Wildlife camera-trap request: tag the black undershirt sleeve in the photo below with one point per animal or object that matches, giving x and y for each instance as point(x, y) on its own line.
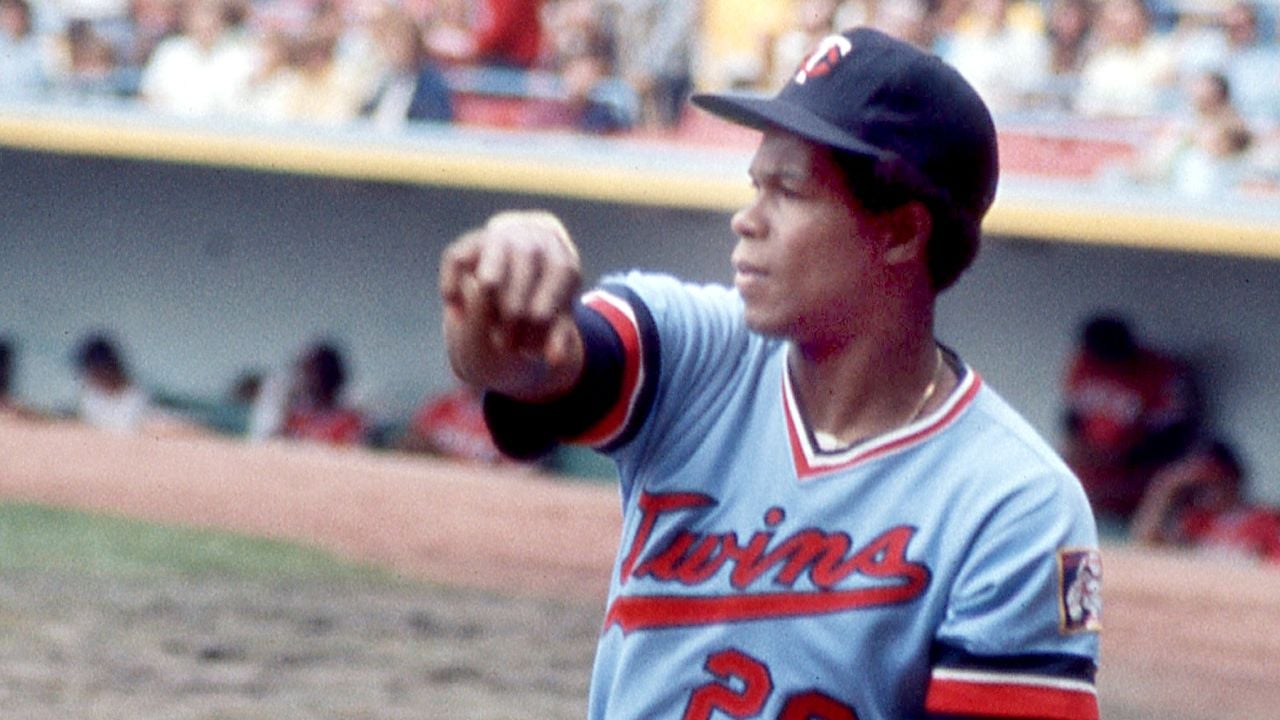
point(528, 431)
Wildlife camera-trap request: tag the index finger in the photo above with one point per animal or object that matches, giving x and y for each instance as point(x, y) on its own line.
point(458, 260)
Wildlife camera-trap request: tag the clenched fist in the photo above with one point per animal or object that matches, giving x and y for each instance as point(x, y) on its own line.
point(508, 290)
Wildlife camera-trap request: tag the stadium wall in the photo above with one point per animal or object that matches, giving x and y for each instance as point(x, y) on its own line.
point(205, 271)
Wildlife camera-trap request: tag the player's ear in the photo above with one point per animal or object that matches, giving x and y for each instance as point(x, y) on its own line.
point(908, 228)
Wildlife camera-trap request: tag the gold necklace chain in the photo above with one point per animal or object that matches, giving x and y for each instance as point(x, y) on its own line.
point(827, 441)
point(929, 389)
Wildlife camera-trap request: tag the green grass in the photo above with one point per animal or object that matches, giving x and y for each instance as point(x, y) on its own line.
point(35, 537)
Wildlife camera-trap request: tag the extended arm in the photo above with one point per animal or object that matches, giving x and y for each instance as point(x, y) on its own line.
point(508, 290)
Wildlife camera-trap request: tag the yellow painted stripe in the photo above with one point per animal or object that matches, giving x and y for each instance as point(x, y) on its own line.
point(1136, 228)
point(423, 164)
point(569, 175)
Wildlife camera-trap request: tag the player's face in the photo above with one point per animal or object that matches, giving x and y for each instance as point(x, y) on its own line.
point(805, 253)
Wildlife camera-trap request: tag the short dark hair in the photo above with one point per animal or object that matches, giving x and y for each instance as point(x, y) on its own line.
point(99, 352)
point(1224, 454)
point(329, 368)
point(1220, 82)
point(22, 5)
point(6, 364)
point(1109, 338)
point(882, 185)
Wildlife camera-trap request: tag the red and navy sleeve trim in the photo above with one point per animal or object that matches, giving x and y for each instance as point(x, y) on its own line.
point(634, 364)
point(612, 396)
point(1045, 687)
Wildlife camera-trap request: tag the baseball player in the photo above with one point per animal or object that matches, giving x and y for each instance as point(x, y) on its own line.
point(827, 514)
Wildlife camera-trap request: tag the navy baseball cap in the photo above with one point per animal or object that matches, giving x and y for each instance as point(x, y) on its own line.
point(867, 93)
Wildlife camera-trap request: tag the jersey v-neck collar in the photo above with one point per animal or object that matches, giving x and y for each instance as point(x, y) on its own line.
point(812, 461)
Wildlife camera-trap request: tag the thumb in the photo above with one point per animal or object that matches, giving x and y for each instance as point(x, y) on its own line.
point(561, 340)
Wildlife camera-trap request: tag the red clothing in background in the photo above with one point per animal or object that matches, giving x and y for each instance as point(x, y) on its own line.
point(1124, 423)
point(1248, 531)
point(336, 426)
point(452, 425)
point(509, 32)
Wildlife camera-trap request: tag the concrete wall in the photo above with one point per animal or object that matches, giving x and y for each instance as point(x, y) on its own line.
point(204, 272)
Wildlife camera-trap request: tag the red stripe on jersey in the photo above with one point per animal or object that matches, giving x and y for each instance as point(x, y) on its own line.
point(794, 434)
point(619, 316)
point(648, 612)
point(1010, 696)
point(810, 463)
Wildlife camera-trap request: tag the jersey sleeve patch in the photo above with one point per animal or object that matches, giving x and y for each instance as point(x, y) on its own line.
point(1049, 687)
point(1080, 590)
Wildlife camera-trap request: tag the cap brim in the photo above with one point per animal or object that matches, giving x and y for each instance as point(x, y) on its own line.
point(764, 113)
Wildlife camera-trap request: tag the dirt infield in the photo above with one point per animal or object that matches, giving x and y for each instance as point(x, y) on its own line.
point(455, 524)
point(1184, 638)
point(507, 573)
point(139, 648)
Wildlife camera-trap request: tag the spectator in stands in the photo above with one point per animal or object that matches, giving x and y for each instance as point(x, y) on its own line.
point(733, 41)
point(151, 21)
point(109, 397)
point(241, 400)
point(1205, 154)
point(1252, 65)
point(914, 21)
point(264, 397)
point(316, 88)
point(7, 352)
point(87, 69)
point(353, 25)
point(1198, 502)
point(316, 410)
point(812, 21)
point(1005, 61)
point(655, 57)
point(97, 12)
point(1068, 28)
point(1129, 410)
point(501, 33)
point(411, 89)
point(1132, 71)
point(597, 101)
point(315, 64)
point(205, 70)
point(267, 91)
point(109, 19)
point(22, 53)
point(1250, 61)
point(451, 425)
point(948, 15)
point(577, 27)
point(10, 406)
point(582, 50)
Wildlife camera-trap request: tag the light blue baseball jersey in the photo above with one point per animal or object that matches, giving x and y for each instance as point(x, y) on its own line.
point(947, 568)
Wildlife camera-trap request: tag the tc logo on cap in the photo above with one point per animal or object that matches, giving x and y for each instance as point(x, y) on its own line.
point(830, 51)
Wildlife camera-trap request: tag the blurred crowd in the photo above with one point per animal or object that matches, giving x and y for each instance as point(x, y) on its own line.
point(308, 400)
point(1201, 76)
point(1136, 429)
point(1138, 432)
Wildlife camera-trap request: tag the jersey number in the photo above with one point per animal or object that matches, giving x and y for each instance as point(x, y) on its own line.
point(743, 685)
